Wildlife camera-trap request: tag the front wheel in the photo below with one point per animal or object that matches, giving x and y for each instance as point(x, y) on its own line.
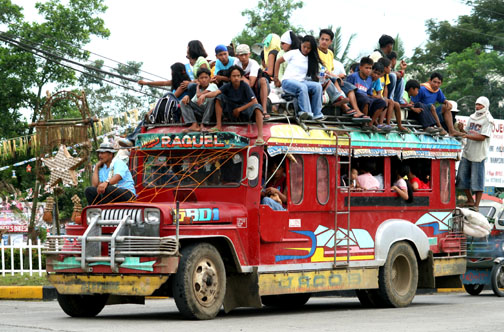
point(474, 289)
point(497, 279)
point(200, 283)
point(82, 305)
point(398, 278)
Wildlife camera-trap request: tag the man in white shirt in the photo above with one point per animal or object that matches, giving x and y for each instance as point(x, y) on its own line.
point(251, 68)
point(471, 170)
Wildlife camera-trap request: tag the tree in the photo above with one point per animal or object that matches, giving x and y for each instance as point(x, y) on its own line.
point(64, 32)
point(472, 73)
point(485, 26)
point(270, 16)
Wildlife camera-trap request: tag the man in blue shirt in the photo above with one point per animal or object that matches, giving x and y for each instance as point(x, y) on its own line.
point(363, 82)
point(429, 94)
point(222, 64)
point(111, 181)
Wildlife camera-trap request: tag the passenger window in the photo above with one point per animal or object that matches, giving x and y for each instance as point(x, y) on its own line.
point(322, 180)
point(445, 181)
point(296, 179)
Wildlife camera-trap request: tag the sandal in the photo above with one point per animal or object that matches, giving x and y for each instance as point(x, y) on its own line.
point(213, 130)
point(266, 115)
point(405, 130)
point(259, 142)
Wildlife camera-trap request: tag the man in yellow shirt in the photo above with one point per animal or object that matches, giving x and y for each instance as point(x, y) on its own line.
point(335, 92)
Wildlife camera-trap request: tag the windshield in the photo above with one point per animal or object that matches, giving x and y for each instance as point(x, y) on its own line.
point(190, 169)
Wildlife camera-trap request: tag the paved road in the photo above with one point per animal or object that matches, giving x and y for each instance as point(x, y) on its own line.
point(438, 312)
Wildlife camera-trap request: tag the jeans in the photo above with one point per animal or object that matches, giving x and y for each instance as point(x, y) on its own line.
point(192, 111)
point(111, 194)
point(396, 88)
point(333, 93)
point(309, 95)
point(471, 175)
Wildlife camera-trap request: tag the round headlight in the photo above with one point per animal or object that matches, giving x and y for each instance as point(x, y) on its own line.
point(93, 215)
point(151, 216)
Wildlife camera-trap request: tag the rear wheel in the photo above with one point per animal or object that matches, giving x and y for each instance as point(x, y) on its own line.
point(474, 289)
point(286, 300)
point(398, 278)
point(497, 279)
point(82, 305)
point(200, 283)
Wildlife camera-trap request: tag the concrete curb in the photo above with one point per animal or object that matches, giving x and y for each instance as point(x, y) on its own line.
point(48, 293)
point(42, 293)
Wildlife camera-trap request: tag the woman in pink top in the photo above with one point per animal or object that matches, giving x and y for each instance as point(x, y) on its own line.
point(366, 180)
point(402, 186)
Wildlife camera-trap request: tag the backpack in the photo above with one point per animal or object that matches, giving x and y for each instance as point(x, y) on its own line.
point(166, 110)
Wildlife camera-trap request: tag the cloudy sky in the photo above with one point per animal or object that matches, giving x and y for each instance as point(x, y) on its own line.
point(156, 32)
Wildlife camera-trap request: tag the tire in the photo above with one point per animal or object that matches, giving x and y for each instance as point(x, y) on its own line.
point(474, 289)
point(497, 279)
point(286, 300)
point(200, 282)
point(82, 305)
point(398, 278)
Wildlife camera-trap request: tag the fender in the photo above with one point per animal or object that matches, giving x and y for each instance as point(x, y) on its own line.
point(395, 230)
point(498, 260)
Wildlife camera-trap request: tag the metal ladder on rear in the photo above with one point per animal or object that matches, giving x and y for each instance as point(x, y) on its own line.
point(93, 238)
point(346, 210)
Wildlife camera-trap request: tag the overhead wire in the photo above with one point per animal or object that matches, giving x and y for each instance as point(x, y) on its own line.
point(47, 36)
point(54, 58)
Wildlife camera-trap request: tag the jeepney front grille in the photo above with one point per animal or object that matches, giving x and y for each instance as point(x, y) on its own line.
point(146, 246)
point(117, 214)
point(125, 245)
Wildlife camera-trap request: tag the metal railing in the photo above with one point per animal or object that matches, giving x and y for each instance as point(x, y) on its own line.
point(17, 254)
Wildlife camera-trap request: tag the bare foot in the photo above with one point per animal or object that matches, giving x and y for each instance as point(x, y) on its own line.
point(194, 127)
point(456, 134)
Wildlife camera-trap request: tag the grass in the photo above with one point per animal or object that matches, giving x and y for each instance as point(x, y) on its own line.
point(24, 280)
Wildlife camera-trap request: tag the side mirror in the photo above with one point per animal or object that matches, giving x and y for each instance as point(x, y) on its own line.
point(253, 169)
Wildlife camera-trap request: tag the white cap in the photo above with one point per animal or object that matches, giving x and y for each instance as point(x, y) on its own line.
point(454, 106)
point(286, 38)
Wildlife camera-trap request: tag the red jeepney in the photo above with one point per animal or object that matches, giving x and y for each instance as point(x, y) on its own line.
point(199, 233)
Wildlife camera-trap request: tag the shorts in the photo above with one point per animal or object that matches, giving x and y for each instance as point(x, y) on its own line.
point(245, 115)
point(374, 103)
point(347, 87)
point(471, 175)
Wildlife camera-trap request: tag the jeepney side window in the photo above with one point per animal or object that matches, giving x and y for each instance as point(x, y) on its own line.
point(444, 176)
point(296, 175)
point(322, 180)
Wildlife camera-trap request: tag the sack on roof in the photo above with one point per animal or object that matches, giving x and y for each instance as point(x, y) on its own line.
point(166, 110)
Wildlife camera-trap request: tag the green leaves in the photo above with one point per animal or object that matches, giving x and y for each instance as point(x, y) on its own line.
point(270, 16)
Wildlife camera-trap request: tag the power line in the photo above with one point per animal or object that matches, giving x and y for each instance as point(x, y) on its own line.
point(53, 58)
point(80, 49)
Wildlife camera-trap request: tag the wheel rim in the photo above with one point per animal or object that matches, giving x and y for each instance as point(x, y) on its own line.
point(205, 282)
point(500, 278)
point(401, 275)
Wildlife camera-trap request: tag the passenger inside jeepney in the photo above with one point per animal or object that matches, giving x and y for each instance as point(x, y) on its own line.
point(274, 193)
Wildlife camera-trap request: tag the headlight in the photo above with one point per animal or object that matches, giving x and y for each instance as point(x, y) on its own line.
point(152, 216)
point(93, 215)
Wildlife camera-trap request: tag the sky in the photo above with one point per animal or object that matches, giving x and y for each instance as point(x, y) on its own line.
point(157, 32)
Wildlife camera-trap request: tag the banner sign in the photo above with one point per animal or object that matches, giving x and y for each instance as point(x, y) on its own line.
point(494, 165)
point(220, 140)
point(15, 228)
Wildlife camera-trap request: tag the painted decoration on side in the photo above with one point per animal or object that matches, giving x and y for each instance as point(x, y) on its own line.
point(359, 241)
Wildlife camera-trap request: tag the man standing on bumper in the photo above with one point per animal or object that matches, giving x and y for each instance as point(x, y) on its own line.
point(471, 171)
point(111, 181)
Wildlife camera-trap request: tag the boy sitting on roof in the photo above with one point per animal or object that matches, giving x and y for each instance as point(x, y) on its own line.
point(429, 94)
point(251, 68)
point(237, 102)
point(222, 65)
point(362, 80)
point(192, 108)
point(425, 114)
